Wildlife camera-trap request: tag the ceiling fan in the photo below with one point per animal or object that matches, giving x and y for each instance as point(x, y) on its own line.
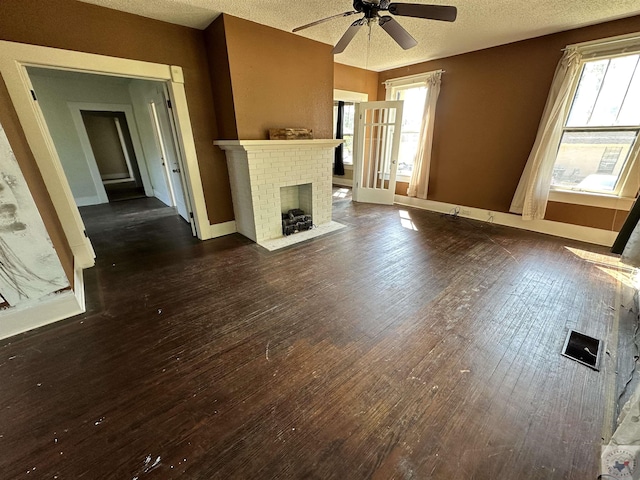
point(372, 9)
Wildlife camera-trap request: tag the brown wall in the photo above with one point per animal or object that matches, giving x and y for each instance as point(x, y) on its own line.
point(72, 25)
point(596, 217)
point(216, 42)
point(278, 79)
point(354, 79)
point(488, 112)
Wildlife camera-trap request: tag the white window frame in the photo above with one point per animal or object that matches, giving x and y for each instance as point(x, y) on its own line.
point(629, 181)
point(345, 162)
point(395, 85)
point(349, 97)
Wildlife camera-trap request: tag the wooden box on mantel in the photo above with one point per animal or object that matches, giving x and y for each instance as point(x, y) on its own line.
point(290, 134)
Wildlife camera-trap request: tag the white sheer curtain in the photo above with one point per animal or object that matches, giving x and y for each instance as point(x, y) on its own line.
point(419, 183)
point(532, 193)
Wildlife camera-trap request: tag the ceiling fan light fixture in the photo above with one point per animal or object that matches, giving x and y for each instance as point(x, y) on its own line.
point(372, 9)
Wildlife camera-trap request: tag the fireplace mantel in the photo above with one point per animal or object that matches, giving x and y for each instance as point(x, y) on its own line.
point(249, 145)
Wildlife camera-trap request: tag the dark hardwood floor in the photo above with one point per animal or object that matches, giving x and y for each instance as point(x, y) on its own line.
point(123, 191)
point(409, 345)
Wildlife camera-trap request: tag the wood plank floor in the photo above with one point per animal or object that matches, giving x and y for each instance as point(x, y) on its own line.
point(409, 345)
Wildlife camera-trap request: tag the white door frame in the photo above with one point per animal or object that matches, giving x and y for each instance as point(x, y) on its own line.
point(160, 144)
point(15, 57)
point(125, 151)
point(176, 146)
point(76, 108)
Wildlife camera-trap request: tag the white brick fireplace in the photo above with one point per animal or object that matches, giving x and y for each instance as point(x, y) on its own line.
point(269, 177)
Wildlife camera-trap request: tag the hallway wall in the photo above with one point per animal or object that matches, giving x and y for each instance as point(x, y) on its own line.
point(141, 93)
point(55, 90)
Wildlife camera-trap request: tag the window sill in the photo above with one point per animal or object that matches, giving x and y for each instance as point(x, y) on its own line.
point(591, 199)
point(347, 166)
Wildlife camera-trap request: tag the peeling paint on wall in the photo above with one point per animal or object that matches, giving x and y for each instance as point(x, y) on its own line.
point(29, 266)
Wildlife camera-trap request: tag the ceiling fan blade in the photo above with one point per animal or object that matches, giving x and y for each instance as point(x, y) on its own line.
point(348, 35)
point(397, 32)
point(418, 10)
point(318, 22)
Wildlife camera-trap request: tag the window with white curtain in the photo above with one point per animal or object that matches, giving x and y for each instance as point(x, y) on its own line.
point(413, 90)
point(414, 97)
point(600, 133)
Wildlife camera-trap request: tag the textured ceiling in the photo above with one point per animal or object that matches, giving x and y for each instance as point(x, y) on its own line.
point(480, 23)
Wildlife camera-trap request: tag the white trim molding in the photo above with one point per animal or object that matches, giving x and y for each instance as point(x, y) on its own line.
point(86, 201)
point(342, 182)
point(85, 144)
point(222, 229)
point(50, 309)
point(78, 287)
point(565, 230)
point(349, 96)
point(418, 78)
point(618, 45)
point(612, 202)
point(339, 179)
point(187, 153)
point(259, 145)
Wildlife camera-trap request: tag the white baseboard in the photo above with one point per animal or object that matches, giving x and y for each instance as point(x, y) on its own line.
point(49, 310)
point(78, 287)
point(86, 201)
point(558, 229)
point(220, 229)
point(342, 182)
point(116, 178)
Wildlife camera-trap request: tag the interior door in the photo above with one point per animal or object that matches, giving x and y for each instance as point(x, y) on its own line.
point(179, 159)
point(170, 162)
point(375, 157)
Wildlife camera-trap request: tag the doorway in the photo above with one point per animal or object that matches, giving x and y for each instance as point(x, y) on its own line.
point(112, 148)
point(166, 146)
point(114, 136)
point(14, 60)
point(345, 123)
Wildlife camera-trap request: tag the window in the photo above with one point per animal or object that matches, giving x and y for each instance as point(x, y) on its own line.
point(601, 131)
point(412, 111)
point(347, 129)
point(413, 91)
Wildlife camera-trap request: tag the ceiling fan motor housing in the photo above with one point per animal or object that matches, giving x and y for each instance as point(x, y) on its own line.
point(369, 8)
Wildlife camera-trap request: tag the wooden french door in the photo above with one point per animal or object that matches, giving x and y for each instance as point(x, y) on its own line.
point(376, 142)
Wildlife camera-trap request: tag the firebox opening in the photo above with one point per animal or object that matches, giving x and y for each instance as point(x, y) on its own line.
point(296, 207)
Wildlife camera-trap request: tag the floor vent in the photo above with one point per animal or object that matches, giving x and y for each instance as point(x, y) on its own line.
point(583, 349)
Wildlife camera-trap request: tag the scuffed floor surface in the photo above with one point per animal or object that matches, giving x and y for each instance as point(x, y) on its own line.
point(408, 345)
